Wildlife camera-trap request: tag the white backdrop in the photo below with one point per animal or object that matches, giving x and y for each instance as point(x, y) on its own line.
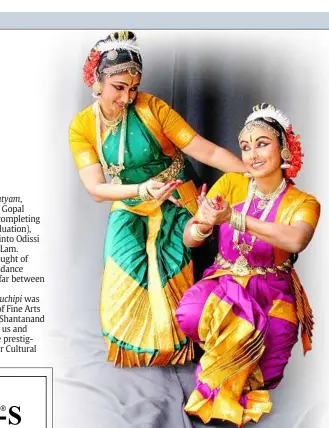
point(42, 89)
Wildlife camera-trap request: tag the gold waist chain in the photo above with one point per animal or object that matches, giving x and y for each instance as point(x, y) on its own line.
point(172, 171)
point(243, 269)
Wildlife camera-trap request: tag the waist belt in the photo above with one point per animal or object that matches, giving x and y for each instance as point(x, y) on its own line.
point(241, 266)
point(169, 173)
point(172, 171)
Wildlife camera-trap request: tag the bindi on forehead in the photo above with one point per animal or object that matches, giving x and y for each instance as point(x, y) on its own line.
point(123, 82)
point(254, 135)
point(260, 126)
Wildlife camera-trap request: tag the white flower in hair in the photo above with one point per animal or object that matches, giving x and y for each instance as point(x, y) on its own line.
point(121, 41)
point(268, 110)
point(108, 45)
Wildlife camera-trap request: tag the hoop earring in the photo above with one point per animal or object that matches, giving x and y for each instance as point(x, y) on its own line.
point(130, 100)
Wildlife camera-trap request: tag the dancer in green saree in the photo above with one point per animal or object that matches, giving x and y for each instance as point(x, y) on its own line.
point(140, 141)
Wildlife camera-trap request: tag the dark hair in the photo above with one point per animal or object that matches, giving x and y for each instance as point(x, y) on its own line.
point(122, 55)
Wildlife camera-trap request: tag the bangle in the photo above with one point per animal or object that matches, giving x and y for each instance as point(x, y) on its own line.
point(238, 221)
point(138, 190)
point(197, 235)
point(143, 192)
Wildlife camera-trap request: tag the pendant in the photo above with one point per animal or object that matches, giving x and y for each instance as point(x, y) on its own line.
point(114, 171)
point(110, 130)
point(262, 204)
point(241, 266)
point(113, 129)
point(116, 180)
point(244, 248)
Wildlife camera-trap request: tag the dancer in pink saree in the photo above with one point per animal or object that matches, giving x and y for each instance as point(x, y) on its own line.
point(246, 310)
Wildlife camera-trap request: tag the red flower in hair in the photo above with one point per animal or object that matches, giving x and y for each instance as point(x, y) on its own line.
point(295, 148)
point(90, 66)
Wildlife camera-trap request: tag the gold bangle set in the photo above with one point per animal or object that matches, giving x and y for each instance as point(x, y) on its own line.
point(143, 192)
point(238, 221)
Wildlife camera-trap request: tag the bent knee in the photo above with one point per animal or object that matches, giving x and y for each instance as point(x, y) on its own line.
point(191, 306)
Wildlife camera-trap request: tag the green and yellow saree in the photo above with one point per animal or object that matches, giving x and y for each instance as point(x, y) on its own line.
point(147, 267)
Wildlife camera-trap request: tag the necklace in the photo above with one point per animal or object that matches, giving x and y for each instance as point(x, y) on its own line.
point(241, 265)
point(265, 198)
point(110, 125)
point(112, 170)
point(256, 208)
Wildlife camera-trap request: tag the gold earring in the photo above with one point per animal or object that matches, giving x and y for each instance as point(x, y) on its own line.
point(286, 156)
point(97, 88)
point(130, 100)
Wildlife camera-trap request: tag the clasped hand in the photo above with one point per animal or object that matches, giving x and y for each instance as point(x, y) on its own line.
point(212, 211)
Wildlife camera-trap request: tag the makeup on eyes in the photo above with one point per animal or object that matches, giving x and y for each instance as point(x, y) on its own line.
point(245, 146)
point(121, 88)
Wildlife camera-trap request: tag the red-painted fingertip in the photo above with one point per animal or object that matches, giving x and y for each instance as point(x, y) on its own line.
point(203, 190)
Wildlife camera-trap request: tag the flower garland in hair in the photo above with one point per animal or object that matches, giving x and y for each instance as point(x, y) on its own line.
point(295, 149)
point(89, 68)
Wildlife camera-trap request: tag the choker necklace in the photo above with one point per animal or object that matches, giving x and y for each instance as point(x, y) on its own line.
point(266, 198)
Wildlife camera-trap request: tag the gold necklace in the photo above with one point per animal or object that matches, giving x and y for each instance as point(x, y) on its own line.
point(112, 170)
point(241, 265)
point(110, 125)
point(265, 198)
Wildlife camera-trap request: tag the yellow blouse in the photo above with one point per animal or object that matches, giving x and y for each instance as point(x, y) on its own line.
point(166, 125)
point(294, 206)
